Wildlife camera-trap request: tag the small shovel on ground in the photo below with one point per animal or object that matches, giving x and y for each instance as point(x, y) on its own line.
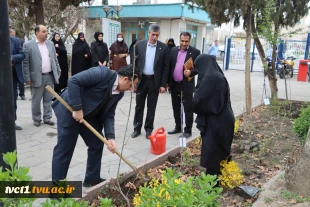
point(49, 89)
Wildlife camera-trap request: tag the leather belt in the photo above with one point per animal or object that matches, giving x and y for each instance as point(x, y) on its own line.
point(177, 81)
point(148, 76)
point(47, 73)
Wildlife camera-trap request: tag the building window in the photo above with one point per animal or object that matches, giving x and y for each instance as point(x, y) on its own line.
point(192, 29)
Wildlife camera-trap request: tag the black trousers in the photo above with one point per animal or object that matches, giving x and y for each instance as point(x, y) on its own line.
point(176, 88)
point(63, 151)
point(146, 90)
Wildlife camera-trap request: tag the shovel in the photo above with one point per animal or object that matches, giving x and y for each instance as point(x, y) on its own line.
point(94, 131)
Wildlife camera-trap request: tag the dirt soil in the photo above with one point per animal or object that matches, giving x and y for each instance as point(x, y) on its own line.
point(263, 146)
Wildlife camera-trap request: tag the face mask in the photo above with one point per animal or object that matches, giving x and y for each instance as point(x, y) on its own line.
point(120, 39)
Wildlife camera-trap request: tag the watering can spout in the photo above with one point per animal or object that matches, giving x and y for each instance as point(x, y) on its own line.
point(158, 141)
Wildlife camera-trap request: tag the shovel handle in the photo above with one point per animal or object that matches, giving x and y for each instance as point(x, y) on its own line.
point(49, 89)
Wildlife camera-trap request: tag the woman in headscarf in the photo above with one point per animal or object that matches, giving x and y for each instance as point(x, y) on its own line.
point(170, 43)
point(61, 53)
point(81, 55)
point(215, 118)
point(131, 50)
point(99, 51)
point(119, 52)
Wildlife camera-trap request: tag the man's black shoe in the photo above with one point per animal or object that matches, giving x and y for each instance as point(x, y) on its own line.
point(18, 127)
point(147, 134)
point(186, 135)
point(87, 185)
point(135, 134)
point(174, 131)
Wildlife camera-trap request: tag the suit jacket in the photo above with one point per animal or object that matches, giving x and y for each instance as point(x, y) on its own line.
point(18, 56)
point(161, 62)
point(188, 86)
point(32, 64)
point(86, 90)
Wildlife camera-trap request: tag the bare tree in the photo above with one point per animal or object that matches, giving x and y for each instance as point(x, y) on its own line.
point(55, 17)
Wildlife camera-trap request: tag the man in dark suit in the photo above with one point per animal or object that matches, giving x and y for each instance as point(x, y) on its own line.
point(93, 95)
point(20, 77)
point(17, 56)
point(180, 85)
point(153, 64)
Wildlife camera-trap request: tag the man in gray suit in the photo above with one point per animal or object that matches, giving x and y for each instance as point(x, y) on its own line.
point(40, 68)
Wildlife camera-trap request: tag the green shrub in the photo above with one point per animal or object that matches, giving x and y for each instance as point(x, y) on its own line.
point(16, 173)
point(172, 190)
point(301, 125)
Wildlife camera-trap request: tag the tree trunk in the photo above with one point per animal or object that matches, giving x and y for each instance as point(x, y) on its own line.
point(297, 177)
point(39, 12)
point(257, 41)
point(273, 76)
point(71, 30)
point(248, 95)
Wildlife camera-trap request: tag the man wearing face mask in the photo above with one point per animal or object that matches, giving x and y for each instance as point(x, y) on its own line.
point(99, 51)
point(152, 61)
point(119, 53)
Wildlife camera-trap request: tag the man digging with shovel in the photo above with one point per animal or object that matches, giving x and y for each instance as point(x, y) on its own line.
point(93, 96)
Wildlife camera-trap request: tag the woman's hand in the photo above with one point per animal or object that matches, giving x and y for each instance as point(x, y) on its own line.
point(86, 56)
point(56, 45)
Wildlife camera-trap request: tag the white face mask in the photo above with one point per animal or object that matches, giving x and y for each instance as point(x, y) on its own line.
point(120, 39)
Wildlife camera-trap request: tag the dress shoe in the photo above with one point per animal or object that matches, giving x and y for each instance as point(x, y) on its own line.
point(186, 135)
point(87, 184)
point(23, 97)
point(147, 134)
point(18, 127)
point(49, 122)
point(174, 131)
point(36, 123)
point(135, 134)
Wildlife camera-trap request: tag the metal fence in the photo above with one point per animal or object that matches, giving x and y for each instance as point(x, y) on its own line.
point(234, 54)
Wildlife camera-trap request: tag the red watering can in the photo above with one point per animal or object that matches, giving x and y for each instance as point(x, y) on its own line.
point(158, 141)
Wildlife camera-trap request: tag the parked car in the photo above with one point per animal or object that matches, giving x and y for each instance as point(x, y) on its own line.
point(221, 50)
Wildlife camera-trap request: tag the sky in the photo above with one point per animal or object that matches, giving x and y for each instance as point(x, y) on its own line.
point(123, 2)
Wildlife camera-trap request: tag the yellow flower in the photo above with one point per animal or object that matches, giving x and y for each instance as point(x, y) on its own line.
point(237, 124)
point(231, 176)
point(137, 201)
point(177, 181)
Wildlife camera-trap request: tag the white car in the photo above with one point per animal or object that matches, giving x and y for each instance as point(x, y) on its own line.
point(221, 50)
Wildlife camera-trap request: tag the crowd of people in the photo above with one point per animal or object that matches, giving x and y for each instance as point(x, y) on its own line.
point(101, 75)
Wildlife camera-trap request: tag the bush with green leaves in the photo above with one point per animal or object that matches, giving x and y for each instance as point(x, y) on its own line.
point(174, 191)
point(15, 173)
point(301, 125)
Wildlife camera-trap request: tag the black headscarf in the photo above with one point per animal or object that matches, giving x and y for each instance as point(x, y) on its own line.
point(206, 65)
point(96, 35)
point(212, 88)
point(171, 40)
point(79, 45)
point(79, 49)
point(59, 42)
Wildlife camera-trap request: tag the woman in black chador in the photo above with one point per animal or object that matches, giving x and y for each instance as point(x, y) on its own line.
point(81, 55)
point(99, 51)
point(215, 118)
point(61, 53)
